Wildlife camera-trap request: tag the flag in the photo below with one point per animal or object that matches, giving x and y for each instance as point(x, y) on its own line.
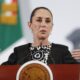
point(10, 24)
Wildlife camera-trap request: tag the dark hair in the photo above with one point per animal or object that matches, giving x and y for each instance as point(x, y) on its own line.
point(34, 11)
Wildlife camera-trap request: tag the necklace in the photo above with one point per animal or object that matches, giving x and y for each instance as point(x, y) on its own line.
point(40, 53)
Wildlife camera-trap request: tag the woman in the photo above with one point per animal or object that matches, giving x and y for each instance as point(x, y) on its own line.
point(41, 49)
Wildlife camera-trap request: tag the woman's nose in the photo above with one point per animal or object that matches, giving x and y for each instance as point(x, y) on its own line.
point(43, 24)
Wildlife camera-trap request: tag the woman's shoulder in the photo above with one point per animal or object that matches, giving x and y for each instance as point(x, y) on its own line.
point(59, 45)
point(24, 46)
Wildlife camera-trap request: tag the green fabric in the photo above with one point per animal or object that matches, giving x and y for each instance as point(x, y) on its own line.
point(9, 33)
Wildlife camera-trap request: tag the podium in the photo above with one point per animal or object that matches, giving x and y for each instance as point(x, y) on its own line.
point(60, 71)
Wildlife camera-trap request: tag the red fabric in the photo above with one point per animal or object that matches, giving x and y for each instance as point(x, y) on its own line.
point(14, 0)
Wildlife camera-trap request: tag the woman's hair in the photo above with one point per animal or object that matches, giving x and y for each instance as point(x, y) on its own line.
point(34, 11)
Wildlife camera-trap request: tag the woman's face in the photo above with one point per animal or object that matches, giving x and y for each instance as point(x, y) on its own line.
point(41, 24)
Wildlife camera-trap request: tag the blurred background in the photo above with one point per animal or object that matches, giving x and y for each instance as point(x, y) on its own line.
point(15, 14)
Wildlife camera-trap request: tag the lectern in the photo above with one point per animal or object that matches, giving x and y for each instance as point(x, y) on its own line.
point(60, 71)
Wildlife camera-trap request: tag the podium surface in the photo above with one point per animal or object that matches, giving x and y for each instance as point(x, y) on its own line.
point(60, 72)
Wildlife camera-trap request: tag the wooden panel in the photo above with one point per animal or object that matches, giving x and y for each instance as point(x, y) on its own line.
point(9, 7)
point(9, 19)
point(60, 72)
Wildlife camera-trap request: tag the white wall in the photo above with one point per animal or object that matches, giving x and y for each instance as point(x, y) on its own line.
point(66, 19)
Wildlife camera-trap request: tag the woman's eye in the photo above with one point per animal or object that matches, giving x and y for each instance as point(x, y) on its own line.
point(39, 20)
point(48, 21)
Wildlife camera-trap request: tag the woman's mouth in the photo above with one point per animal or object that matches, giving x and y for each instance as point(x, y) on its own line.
point(43, 31)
